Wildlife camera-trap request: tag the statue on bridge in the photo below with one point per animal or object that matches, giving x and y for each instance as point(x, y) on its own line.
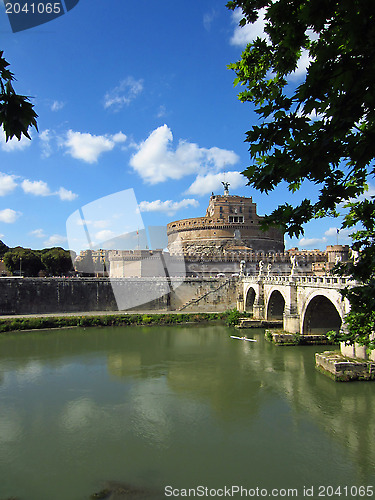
point(293, 260)
point(261, 265)
point(242, 268)
point(269, 266)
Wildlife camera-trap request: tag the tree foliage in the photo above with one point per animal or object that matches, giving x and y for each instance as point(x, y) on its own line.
point(322, 130)
point(24, 261)
point(3, 248)
point(17, 113)
point(54, 261)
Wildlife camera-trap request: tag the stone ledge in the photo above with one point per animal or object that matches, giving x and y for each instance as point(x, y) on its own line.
point(285, 338)
point(258, 323)
point(343, 369)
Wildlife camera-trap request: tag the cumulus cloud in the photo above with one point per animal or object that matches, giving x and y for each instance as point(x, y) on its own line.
point(9, 216)
point(38, 233)
point(157, 160)
point(14, 144)
point(41, 188)
point(37, 188)
point(208, 183)
point(168, 206)
point(66, 195)
point(55, 240)
point(310, 242)
point(88, 147)
point(7, 183)
point(127, 90)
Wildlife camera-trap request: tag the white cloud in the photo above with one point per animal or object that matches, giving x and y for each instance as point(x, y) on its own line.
point(246, 34)
point(14, 144)
point(119, 137)
point(104, 235)
point(156, 160)
point(57, 105)
point(208, 183)
point(9, 216)
point(66, 195)
point(123, 94)
point(55, 240)
point(37, 188)
point(46, 137)
point(168, 206)
point(302, 65)
point(38, 233)
point(7, 183)
point(88, 147)
point(343, 234)
point(40, 188)
point(309, 242)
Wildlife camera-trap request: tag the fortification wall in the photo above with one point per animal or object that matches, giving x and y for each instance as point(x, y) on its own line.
point(65, 295)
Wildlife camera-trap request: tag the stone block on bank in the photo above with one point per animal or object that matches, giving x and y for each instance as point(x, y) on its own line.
point(344, 369)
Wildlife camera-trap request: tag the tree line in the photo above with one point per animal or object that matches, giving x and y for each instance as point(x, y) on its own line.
point(27, 262)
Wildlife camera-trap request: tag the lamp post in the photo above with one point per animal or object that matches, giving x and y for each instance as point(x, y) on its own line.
point(20, 266)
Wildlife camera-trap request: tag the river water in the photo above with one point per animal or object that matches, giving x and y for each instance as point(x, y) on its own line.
point(158, 410)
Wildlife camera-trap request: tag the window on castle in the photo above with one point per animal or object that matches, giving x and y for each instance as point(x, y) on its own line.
point(235, 218)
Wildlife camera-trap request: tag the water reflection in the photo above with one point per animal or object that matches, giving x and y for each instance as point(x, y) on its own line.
point(181, 405)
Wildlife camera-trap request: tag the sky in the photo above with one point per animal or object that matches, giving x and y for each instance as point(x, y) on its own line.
point(133, 98)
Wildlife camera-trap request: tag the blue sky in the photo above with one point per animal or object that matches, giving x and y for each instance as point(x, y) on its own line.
point(131, 95)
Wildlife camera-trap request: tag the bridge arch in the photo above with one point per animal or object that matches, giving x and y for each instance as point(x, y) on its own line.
point(250, 299)
point(275, 305)
point(321, 314)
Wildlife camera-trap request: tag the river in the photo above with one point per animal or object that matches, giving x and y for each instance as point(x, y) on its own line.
point(158, 410)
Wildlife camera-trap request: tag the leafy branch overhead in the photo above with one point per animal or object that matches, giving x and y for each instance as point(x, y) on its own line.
point(322, 130)
point(17, 113)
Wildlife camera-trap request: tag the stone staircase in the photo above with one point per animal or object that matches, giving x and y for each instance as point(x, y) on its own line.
point(199, 298)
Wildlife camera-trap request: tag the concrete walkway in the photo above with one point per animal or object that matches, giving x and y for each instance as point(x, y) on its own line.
point(100, 313)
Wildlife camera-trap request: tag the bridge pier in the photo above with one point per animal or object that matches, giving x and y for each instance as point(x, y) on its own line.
point(258, 311)
point(292, 323)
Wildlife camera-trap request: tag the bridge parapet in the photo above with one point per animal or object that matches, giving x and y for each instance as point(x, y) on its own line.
point(328, 281)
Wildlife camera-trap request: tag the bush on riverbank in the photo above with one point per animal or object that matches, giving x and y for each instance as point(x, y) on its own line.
point(37, 323)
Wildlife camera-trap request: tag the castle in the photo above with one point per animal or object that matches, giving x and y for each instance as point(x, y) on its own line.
point(227, 241)
point(231, 224)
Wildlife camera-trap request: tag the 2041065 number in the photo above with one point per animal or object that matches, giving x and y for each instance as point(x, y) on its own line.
point(33, 8)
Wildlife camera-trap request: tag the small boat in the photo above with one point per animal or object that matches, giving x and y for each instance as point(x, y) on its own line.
point(242, 338)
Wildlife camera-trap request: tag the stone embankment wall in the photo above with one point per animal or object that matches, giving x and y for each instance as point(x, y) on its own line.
point(64, 295)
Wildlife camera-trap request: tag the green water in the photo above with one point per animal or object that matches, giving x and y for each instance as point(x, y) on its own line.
point(181, 406)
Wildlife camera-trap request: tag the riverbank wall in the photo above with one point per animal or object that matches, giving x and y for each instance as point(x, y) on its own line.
point(65, 295)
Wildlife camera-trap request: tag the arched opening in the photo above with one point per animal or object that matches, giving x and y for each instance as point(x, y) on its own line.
point(321, 316)
point(276, 306)
point(250, 299)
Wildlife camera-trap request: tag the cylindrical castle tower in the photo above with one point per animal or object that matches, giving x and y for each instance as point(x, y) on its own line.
point(230, 223)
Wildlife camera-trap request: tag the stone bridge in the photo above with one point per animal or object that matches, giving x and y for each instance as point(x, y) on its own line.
point(306, 304)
